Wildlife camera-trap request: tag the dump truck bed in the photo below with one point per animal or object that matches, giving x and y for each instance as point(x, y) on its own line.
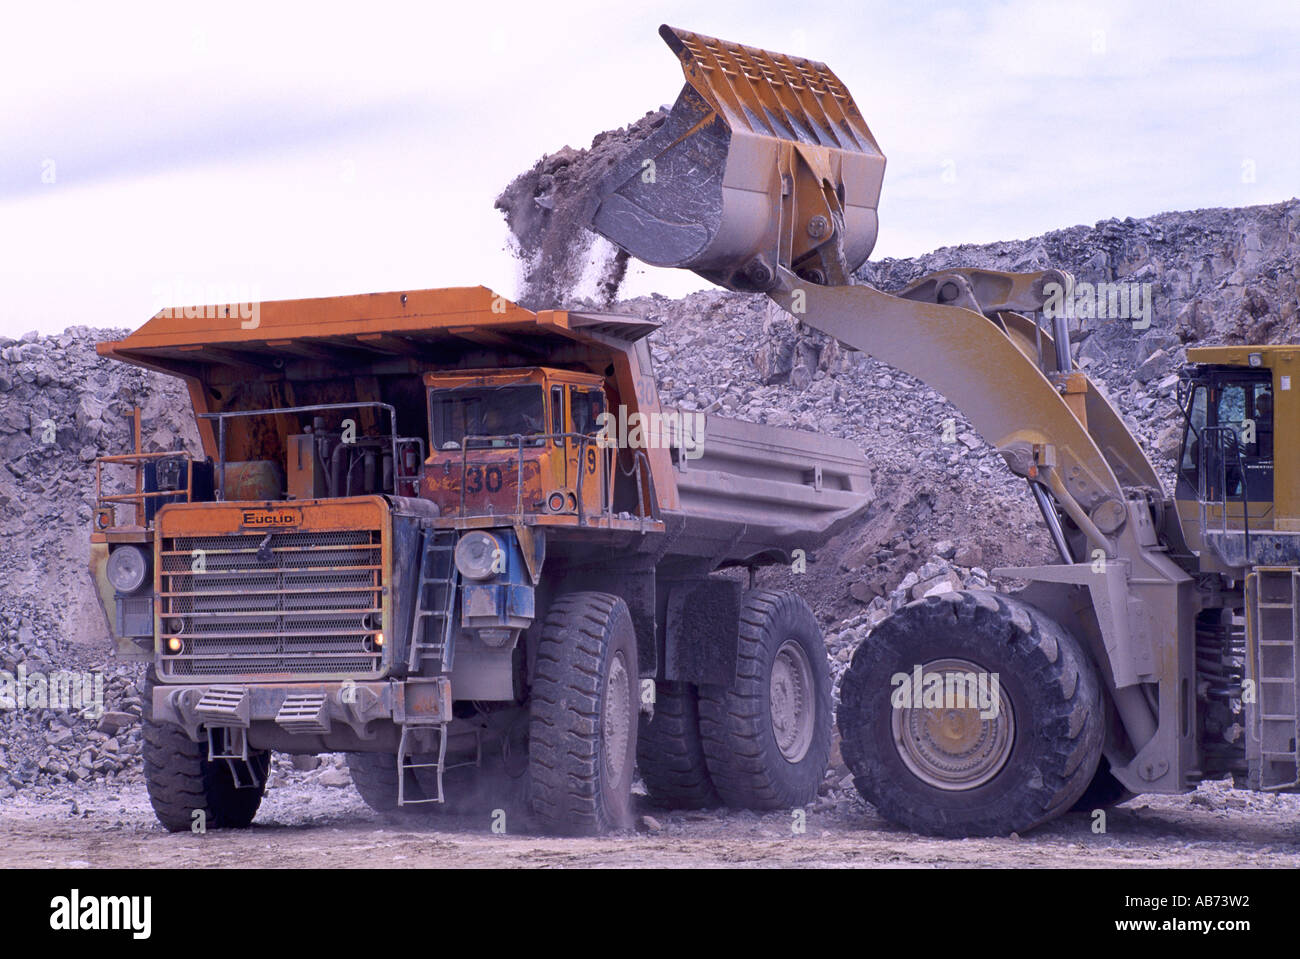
point(753, 493)
point(768, 489)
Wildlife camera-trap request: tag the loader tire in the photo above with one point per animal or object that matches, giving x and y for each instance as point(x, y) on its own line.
point(583, 716)
point(375, 777)
point(767, 735)
point(949, 771)
point(180, 780)
point(670, 751)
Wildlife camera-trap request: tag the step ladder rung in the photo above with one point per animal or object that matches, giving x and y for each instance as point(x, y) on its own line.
point(435, 603)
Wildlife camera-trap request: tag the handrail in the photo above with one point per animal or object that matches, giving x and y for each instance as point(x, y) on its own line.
point(1224, 440)
point(140, 496)
point(1184, 396)
point(315, 408)
point(584, 441)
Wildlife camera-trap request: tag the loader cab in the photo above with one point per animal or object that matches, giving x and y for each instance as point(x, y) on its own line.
point(1239, 462)
point(1228, 438)
point(515, 442)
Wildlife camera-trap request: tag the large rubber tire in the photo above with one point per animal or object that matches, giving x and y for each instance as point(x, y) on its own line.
point(670, 751)
point(583, 716)
point(375, 777)
point(1020, 770)
point(738, 723)
point(181, 780)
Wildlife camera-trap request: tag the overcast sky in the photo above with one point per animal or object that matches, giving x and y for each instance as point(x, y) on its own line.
point(155, 153)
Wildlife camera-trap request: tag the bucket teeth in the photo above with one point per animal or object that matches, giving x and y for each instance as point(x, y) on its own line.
point(771, 94)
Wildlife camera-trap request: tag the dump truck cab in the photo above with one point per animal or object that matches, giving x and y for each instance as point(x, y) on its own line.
point(522, 442)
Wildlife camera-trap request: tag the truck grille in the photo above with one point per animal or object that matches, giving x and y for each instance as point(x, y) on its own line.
point(303, 610)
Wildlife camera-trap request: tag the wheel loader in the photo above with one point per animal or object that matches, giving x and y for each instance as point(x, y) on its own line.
point(464, 544)
point(1161, 649)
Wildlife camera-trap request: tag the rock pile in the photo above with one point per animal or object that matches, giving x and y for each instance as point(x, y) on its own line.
point(66, 716)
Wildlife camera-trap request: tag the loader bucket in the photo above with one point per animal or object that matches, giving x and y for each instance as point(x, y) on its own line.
point(764, 161)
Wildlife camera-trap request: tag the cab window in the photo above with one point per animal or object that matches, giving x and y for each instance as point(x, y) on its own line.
point(1191, 447)
point(557, 409)
point(585, 406)
point(1241, 462)
point(486, 417)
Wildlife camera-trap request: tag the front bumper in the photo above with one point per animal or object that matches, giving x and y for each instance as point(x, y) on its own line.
point(312, 709)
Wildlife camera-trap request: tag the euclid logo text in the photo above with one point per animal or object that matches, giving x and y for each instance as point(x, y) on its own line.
point(263, 518)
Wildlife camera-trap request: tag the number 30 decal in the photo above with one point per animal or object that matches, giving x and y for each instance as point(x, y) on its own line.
point(474, 479)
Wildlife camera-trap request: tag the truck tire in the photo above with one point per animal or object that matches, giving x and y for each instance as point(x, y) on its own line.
point(767, 736)
point(180, 779)
point(670, 751)
point(583, 716)
point(946, 770)
point(375, 777)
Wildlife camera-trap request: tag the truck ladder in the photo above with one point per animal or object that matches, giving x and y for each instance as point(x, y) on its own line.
point(433, 631)
point(1272, 602)
point(405, 759)
point(433, 625)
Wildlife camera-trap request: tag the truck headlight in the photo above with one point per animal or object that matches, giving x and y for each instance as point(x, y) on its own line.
point(127, 569)
point(479, 555)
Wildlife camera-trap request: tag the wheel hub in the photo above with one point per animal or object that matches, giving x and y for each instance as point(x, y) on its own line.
point(791, 697)
point(952, 746)
point(616, 723)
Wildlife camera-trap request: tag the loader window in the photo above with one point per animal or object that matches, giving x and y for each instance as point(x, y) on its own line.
point(1191, 447)
point(1233, 416)
point(488, 416)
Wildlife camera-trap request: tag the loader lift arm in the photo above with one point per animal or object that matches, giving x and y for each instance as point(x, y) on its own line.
point(1023, 415)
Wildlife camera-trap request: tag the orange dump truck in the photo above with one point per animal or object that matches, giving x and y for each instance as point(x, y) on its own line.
point(464, 544)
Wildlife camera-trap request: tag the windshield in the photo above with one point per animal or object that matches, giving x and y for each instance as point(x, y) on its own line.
point(486, 411)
